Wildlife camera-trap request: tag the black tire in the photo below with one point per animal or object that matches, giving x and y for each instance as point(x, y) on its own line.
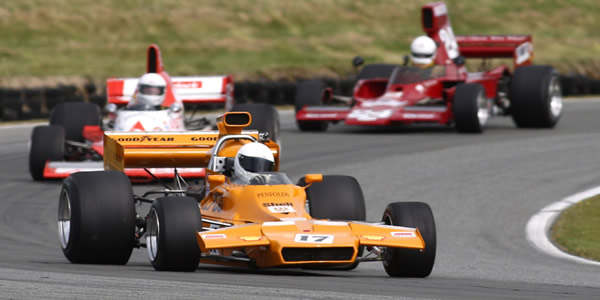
point(469, 99)
point(74, 116)
point(173, 247)
point(47, 144)
point(536, 97)
point(402, 262)
point(265, 118)
point(310, 93)
point(99, 208)
point(376, 71)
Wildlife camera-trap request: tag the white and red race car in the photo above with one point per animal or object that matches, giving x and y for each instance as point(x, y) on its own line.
point(73, 140)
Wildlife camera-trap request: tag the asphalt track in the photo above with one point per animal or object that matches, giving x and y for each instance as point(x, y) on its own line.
point(482, 188)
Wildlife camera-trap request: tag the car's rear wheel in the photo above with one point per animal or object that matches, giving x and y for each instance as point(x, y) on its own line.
point(173, 223)
point(471, 108)
point(73, 116)
point(337, 197)
point(536, 97)
point(403, 262)
point(265, 118)
point(309, 94)
point(47, 144)
point(96, 218)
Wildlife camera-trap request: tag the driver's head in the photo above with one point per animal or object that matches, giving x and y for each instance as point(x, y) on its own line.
point(151, 89)
point(422, 52)
point(253, 158)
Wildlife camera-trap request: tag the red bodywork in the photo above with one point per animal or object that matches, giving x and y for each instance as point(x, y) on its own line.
point(382, 102)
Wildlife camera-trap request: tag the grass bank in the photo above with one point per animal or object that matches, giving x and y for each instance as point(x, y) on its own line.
point(63, 40)
point(577, 229)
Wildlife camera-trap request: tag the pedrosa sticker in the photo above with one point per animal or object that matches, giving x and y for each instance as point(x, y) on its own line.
point(403, 234)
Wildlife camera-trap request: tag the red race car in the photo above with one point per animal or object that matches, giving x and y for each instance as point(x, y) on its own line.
point(444, 93)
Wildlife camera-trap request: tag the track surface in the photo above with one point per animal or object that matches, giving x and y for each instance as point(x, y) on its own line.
point(482, 189)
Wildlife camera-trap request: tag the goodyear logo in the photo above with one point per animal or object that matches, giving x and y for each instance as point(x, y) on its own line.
point(203, 138)
point(272, 194)
point(146, 138)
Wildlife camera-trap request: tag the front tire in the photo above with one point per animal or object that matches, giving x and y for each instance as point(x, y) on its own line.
point(536, 97)
point(96, 218)
point(47, 144)
point(173, 223)
point(310, 93)
point(403, 262)
point(471, 108)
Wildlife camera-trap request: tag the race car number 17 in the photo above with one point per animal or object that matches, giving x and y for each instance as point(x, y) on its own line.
point(314, 238)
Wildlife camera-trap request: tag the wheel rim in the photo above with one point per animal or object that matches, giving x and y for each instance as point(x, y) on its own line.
point(556, 101)
point(152, 235)
point(64, 219)
point(483, 111)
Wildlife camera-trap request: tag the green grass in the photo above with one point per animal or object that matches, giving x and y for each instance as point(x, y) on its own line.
point(577, 229)
point(266, 38)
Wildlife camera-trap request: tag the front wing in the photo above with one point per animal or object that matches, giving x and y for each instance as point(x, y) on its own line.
point(376, 116)
point(307, 242)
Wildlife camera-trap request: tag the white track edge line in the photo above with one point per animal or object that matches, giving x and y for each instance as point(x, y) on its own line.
point(539, 224)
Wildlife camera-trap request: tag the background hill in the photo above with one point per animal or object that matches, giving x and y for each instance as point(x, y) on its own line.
point(66, 40)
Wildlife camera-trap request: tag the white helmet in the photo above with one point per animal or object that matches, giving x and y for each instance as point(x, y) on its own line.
point(252, 158)
point(422, 51)
point(151, 89)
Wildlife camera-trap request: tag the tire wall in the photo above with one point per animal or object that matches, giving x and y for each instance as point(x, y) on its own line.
point(34, 103)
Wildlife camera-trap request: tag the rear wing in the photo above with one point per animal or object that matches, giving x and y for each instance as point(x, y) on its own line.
point(189, 149)
point(191, 89)
point(517, 47)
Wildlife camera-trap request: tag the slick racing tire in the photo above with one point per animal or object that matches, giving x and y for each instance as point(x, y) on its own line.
point(536, 97)
point(471, 108)
point(376, 71)
point(47, 144)
point(73, 116)
point(265, 118)
point(173, 223)
point(403, 262)
point(310, 93)
point(337, 197)
point(96, 218)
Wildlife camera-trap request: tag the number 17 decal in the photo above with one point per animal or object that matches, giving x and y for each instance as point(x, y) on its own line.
point(314, 238)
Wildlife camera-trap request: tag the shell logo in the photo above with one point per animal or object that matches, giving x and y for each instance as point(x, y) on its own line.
point(373, 237)
point(250, 238)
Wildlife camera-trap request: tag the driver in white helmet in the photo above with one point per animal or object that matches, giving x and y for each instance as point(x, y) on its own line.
point(422, 52)
point(252, 159)
point(150, 94)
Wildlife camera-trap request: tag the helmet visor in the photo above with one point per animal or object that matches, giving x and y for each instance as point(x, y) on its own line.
point(151, 89)
point(256, 164)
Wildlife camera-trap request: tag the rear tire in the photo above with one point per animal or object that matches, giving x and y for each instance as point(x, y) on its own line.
point(471, 108)
point(96, 218)
point(403, 262)
point(536, 97)
point(173, 223)
point(47, 144)
point(265, 118)
point(73, 116)
point(337, 197)
point(310, 93)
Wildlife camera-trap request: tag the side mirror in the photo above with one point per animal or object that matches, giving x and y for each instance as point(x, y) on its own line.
point(111, 108)
point(459, 60)
point(215, 180)
point(405, 61)
point(312, 178)
point(175, 107)
point(357, 61)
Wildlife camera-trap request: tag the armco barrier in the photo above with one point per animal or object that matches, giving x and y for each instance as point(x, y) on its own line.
point(18, 104)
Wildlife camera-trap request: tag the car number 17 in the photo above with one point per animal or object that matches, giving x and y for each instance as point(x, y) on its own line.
point(314, 238)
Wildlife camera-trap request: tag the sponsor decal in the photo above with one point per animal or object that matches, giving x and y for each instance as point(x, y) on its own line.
point(418, 116)
point(440, 10)
point(386, 101)
point(188, 84)
point(293, 219)
point(267, 204)
point(523, 52)
point(272, 195)
point(369, 114)
point(373, 237)
point(314, 238)
point(403, 234)
point(214, 236)
point(146, 138)
point(138, 126)
point(281, 209)
point(324, 115)
point(250, 238)
point(203, 138)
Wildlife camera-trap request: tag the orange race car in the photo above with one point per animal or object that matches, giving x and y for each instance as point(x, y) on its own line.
point(246, 213)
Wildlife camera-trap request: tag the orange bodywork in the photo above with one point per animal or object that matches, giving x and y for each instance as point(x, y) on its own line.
point(268, 224)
